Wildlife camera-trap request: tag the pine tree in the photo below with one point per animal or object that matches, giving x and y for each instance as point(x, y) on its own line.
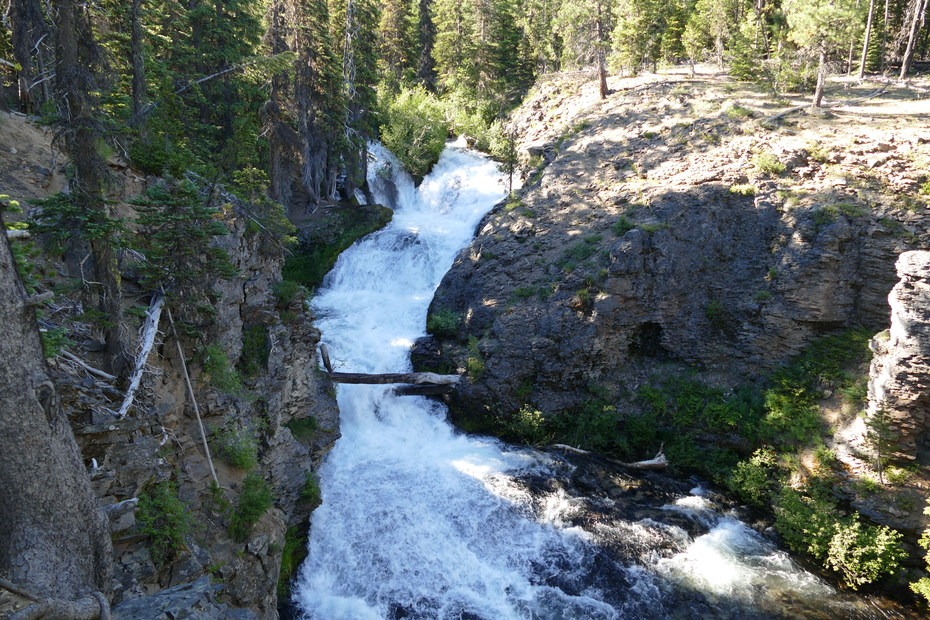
point(395, 44)
point(80, 63)
point(820, 26)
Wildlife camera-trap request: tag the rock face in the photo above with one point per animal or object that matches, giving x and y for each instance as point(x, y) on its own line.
point(652, 231)
point(899, 384)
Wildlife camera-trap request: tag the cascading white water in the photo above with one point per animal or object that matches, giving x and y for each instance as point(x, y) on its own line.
point(411, 521)
point(418, 521)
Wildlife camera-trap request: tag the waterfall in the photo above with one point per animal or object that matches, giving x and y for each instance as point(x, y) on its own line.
point(420, 521)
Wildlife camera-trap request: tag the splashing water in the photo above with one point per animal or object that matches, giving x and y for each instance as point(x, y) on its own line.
point(418, 521)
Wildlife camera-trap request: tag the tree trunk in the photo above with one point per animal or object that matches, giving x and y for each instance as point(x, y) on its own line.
point(138, 60)
point(868, 38)
point(601, 53)
point(76, 57)
point(426, 31)
point(920, 7)
point(29, 33)
point(821, 76)
point(54, 541)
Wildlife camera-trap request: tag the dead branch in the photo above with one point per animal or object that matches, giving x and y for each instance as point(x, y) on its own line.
point(94, 371)
point(17, 234)
point(149, 330)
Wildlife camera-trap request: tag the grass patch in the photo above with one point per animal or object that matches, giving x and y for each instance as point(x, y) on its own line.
point(474, 363)
point(256, 347)
point(622, 226)
point(745, 189)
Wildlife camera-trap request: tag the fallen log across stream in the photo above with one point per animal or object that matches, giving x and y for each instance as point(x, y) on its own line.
point(657, 462)
point(418, 383)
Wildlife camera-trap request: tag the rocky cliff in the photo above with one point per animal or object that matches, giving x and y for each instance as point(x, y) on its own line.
point(899, 386)
point(267, 413)
point(674, 224)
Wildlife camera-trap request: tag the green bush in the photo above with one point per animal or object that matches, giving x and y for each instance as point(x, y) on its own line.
point(622, 226)
point(303, 429)
point(164, 518)
point(292, 556)
point(237, 448)
point(254, 500)
point(863, 553)
point(220, 373)
point(286, 291)
point(528, 426)
point(310, 492)
point(757, 479)
point(474, 363)
point(414, 129)
point(922, 585)
point(256, 348)
point(811, 523)
point(767, 163)
point(443, 323)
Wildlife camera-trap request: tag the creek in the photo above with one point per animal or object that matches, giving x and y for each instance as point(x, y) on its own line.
point(421, 521)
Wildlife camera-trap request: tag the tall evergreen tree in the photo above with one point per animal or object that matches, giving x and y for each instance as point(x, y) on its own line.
point(80, 63)
point(395, 43)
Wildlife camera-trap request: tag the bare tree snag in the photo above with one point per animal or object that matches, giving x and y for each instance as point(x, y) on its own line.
point(146, 340)
point(54, 540)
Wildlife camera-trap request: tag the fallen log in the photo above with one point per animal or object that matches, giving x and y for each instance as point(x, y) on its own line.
point(417, 378)
point(657, 462)
point(424, 390)
point(418, 383)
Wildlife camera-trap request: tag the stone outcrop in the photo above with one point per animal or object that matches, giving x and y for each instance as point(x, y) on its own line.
point(699, 239)
point(899, 383)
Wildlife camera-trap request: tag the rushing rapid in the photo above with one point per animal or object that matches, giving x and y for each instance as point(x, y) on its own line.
point(419, 521)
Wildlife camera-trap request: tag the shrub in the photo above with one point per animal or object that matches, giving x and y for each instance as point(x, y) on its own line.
point(220, 373)
point(622, 226)
point(443, 323)
point(292, 556)
point(528, 425)
point(767, 163)
point(757, 479)
point(303, 429)
point(254, 500)
point(237, 448)
point(310, 492)
point(474, 363)
point(715, 313)
point(860, 553)
point(863, 553)
point(286, 291)
point(255, 351)
point(164, 518)
point(414, 129)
